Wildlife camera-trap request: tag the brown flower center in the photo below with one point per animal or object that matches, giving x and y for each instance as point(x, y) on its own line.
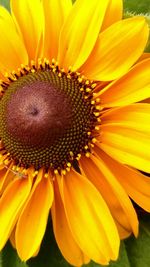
point(46, 119)
point(38, 114)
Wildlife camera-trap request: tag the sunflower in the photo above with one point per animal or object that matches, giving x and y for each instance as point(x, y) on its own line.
point(74, 126)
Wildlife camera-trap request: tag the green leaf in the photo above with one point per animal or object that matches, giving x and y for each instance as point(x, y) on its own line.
point(5, 3)
point(138, 250)
point(49, 255)
point(9, 258)
point(137, 6)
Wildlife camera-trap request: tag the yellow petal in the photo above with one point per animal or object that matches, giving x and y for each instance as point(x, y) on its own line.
point(80, 32)
point(29, 19)
point(131, 88)
point(12, 49)
point(95, 234)
point(33, 219)
point(138, 188)
point(55, 11)
point(3, 176)
point(36, 252)
point(2, 78)
point(136, 116)
point(113, 13)
point(5, 15)
point(123, 233)
point(67, 245)
point(7, 177)
point(116, 198)
point(135, 183)
point(117, 49)
point(143, 57)
point(11, 204)
point(127, 146)
point(12, 238)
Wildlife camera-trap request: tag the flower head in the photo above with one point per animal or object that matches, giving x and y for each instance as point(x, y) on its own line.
point(74, 127)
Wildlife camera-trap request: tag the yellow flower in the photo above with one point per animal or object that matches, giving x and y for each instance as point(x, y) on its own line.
point(74, 126)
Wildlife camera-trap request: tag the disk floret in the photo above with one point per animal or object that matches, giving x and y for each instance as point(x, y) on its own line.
point(49, 117)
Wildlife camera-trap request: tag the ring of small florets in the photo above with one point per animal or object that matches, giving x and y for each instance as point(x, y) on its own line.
point(49, 117)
